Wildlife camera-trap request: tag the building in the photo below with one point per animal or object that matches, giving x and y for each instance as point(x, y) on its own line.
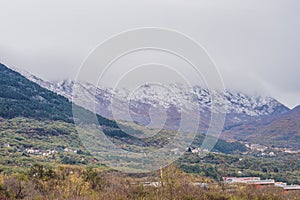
point(291, 187)
point(240, 179)
point(280, 184)
point(249, 180)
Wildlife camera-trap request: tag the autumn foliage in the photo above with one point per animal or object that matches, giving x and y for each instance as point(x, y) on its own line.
point(77, 183)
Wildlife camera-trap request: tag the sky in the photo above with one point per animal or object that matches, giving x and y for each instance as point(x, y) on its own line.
point(254, 43)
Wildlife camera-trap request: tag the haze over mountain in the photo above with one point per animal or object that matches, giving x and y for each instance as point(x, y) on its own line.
point(255, 44)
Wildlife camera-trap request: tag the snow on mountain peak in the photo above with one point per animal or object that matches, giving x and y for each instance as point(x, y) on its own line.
point(176, 95)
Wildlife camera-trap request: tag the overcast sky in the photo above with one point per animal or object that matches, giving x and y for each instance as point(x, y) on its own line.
point(254, 43)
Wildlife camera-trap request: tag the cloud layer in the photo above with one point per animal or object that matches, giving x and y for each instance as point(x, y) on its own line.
point(255, 44)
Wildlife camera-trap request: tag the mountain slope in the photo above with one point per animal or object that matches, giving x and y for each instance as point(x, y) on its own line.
point(21, 97)
point(240, 108)
point(279, 130)
point(23, 100)
point(255, 119)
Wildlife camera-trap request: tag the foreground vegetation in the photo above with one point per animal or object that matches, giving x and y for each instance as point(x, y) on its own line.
point(69, 182)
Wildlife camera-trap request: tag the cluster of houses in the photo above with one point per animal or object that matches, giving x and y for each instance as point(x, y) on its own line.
point(256, 147)
point(262, 148)
point(40, 152)
point(291, 151)
point(46, 152)
point(35, 151)
point(259, 183)
point(196, 150)
point(70, 150)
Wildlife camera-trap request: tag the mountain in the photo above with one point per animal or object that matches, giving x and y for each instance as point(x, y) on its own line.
point(37, 125)
point(254, 119)
point(20, 97)
point(278, 130)
point(239, 107)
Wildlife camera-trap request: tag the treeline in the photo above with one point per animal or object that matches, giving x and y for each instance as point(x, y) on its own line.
point(282, 168)
point(66, 182)
point(221, 145)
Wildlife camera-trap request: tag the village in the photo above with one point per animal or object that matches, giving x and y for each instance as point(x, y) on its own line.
point(41, 152)
point(256, 150)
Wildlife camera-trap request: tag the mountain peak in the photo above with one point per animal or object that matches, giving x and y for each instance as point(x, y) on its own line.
point(297, 108)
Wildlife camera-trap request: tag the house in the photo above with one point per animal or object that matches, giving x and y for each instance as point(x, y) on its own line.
point(195, 150)
point(249, 180)
point(280, 184)
point(6, 145)
point(240, 179)
point(32, 151)
point(291, 187)
point(271, 153)
point(258, 147)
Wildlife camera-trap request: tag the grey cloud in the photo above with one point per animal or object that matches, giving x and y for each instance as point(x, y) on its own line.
point(255, 44)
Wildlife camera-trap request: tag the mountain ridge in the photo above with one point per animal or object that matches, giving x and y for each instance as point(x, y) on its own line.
point(241, 107)
point(245, 115)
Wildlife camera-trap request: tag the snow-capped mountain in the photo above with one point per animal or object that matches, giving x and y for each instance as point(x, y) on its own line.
point(151, 104)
